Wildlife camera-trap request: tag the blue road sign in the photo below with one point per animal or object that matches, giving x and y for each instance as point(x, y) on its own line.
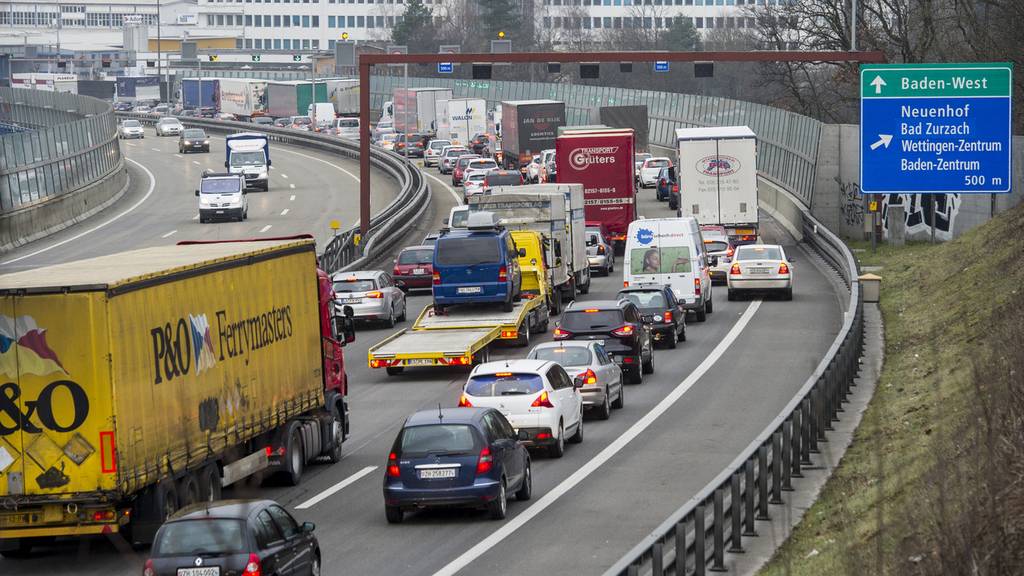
point(936, 128)
point(444, 67)
point(661, 66)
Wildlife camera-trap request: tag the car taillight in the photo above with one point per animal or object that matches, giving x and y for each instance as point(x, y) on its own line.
point(396, 271)
point(783, 268)
point(437, 278)
point(560, 334)
point(503, 274)
point(730, 251)
point(668, 316)
point(149, 570)
point(464, 402)
point(376, 294)
point(624, 330)
point(675, 187)
point(625, 283)
point(542, 401)
point(735, 269)
point(589, 377)
point(393, 471)
point(600, 249)
point(252, 567)
point(696, 286)
point(484, 463)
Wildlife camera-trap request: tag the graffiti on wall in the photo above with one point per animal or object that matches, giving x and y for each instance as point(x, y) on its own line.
point(918, 213)
point(851, 203)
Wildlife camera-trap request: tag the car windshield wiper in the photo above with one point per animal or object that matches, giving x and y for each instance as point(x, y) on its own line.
point(514, 393)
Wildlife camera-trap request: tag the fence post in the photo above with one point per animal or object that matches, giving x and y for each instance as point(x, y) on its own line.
point(680, 567)
point(776, 468)
point(787, 455)
point(718, 530)
point(736, 515)
point(657, 559)
point(811, 415)
point(699, 557)
point(748, 499)
point(762, 483)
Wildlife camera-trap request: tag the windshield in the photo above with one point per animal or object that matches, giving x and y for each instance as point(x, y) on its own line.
point(354, 285)
point(504, 384)
point(759, 253)
point(459, 219)
point(468, 251)
point(301, 120)
point(476, 177)
point(716, 246)
point(422, 256)
point(509, 179)
point(197, 134)
point(656, 164)
point(437, 438)
point(643, 300)
point(131, 124)
point(598, 320)
point(219, 186)
point(565, 356)
point(247, 158)
point(348, 123)
point(200, 537)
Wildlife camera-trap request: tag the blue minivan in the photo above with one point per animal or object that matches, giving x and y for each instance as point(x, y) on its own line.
point(478, 264)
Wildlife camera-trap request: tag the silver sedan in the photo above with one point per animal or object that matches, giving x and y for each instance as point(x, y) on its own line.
point(587, 361)
point(761, 268)
point(372, 294)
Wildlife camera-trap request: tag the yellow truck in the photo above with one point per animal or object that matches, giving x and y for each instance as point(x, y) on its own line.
point(135, 384)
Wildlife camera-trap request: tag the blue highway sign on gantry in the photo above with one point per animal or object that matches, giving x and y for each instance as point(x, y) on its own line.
point(935, 128)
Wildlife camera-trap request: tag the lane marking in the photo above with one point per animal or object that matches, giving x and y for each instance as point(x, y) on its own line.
point(603, 456)
point(156, 150)
point(292, 186)
point(335, 166)
point(291, 198)
point(169, 234)
point(284, 212)
point(178, 156)
point(149, 192)
point(458, 199)
point(335, 489)
point(196, 217)
point(129, 144)
point(196, 162)
point(265, 228)
point(285, 176)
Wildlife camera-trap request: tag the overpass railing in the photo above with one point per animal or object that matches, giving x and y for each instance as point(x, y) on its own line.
point(54, 143)
point(387, 226)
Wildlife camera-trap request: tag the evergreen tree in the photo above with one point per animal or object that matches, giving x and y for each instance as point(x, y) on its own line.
point(416, 29)
point(500, 16)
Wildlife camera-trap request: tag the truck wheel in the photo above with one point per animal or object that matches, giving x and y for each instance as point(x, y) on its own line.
point(188, 489)
point(209, 484)
point(296, 458)
point(165, 501)
point(337, 435)
point(395, 370)
point(556, 302)
point(19, 548)
point(523, 336)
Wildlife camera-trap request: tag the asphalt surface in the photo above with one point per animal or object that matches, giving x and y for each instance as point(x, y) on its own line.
point(706, 401)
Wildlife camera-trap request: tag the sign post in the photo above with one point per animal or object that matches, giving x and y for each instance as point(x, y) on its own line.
point(447, 67)
point(935, 128)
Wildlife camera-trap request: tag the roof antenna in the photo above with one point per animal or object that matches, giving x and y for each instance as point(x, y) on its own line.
point(440, 415)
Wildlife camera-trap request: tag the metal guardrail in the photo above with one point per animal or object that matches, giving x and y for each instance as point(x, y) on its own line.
point(695, 538)
point(386, 228)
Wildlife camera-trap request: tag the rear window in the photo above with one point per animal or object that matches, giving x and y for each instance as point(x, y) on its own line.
point(301, 120)
point(468, 251)
point(219, 185)
point(759, 253)
point(504, 179)
point(651, 299)
point(463, 161)
point(564, 355)
point(437, 438)
point(354, 285)
point(194, 134)
point(504, 385)
point(581, 320)
point(439, 144)
point(716, 245)
point(455, 152)
point(656, 163)
point(203, 536)
point(482, 164)
point(660, 260)
point(416, 257)
point(476, 177)
point(348, 123)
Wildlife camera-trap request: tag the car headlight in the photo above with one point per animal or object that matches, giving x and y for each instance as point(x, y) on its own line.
point(187, 143)
point(206, 141)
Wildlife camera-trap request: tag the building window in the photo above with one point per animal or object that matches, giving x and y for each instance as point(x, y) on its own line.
point(287, 43)
point(360, 21)
point(330, 44)
point(305, 44)
point(316, 43)
point(330, 21)
point(316, 21)
point(305, 21)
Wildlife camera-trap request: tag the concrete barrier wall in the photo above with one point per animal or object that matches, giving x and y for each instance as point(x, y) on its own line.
point(782, 205)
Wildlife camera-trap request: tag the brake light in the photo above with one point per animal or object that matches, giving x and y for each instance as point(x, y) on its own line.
point(730, 251)
point(437, 278)
point(589, 377)
point(149, 570)
point(696, 286)
point(484, 463)
point(591, 310)
point(783, 268)
point(252, 568)
point(668, 316)
point(560, 334)
point(503, 274)
point(735, 269)
point(269, 450)
point(396, 271)
point(102, 515)
point(464, 402)
point(393, 471)
point(624, 330)
point(675, 187)
point(376, 294)
point(542, 401)
point(600, 249)
point(625, 283)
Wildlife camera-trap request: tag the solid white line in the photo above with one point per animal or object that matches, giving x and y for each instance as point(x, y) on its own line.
point(169, 234)
point(284, 212)
point(196, 162)
point(285, 176)
point(335, 489)
point(335, 166)
point(149, 192)
point(458, 199)
point(603, 456)
point(291, 198)
point(265, 228)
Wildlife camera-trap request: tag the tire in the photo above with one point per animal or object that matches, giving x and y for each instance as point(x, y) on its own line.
point(210, 488)
point(523, 338)
point(621, 400)
point(788, 294)
point(731, 296)
point(525, 491)
point(673, 339)
point(389, 322)
point(577, 437)
point(165, 500)
point(498, 508)
point(21, 549)
point(508, 305)
point(188, 490)
point(611, 267)
point(682, 337)
point(314, 567)
point(556, 303)
point(585, 289)
point(647, 366)
point(605, 411)
point(702, 314)
point(395, 370)
point(337, 435)
point(405, 311)
point(394, 514)
point(709, 306)
point(636, 376)
point(557, 450)
point(296, 459)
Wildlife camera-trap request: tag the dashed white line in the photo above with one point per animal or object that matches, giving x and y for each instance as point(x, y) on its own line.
point(169, 234)
point(603, 456)
point(265, 228)
point(196, 217)
point(291, 198)
point(155, 149)
point(292, 186)
point(196, 162)
point(129, 144)
point(178, 156)
point(335, 489)
point(284, 212)
point(285, 176)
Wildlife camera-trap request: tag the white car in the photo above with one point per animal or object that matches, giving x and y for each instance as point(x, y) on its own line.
point(720, 252)
point(638, 161)
point(650, 169)
point(448, 156)
point(473, 184)
point(432, 155)
point(533, 170)
point(168, 127)
point(387, 141)
point(346, 128)
point(131, 129)
point(480, 164)
point(383, 127)
point(588, 362)
point(761, 268)
point(537, 397)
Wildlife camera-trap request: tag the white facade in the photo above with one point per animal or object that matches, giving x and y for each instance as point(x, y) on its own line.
point(594, 17)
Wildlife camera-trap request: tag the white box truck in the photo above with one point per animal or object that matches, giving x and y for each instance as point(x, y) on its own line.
point(415, 110)
point(718, 178)
point(460, 119)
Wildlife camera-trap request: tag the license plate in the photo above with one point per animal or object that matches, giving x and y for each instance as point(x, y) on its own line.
point(352, 300)
point(203, 571)
point(418, 362)
point(759, 270)
point(470, 290)
point(220, 211)
point(437, 473)
point(744, 231)
point(419, 271)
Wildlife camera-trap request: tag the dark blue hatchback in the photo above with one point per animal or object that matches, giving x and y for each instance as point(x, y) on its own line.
point(464, 457)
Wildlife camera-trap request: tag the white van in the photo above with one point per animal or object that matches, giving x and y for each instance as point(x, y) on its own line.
point(670, 251)
point(322, 115)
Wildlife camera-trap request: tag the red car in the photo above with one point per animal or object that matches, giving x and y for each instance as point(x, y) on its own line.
point(460, 167)
point(414, 268)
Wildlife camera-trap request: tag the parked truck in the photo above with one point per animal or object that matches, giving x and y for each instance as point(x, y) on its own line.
point(46, 81)
point(602, 162)
point(460, 119)
point(718, 178)
point(527, 127)
point(200, 93)
point(415, 110)
point(248, 153)
point(292, 98)
point(343, 93)
point(149, 380)
point(243, 97)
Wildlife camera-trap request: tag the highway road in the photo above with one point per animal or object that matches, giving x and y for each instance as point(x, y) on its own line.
point(706, 401)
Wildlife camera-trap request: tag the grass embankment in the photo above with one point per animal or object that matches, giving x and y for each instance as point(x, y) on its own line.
point(934, 480)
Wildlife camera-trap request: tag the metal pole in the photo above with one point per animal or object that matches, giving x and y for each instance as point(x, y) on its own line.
point(159, 57)
point(364, 149)
point(853, 27)
point(405, 110)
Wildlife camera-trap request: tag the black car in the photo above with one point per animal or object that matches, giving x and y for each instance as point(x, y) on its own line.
point(415, 143)
point(660, 310)
point(480, 144)
point(468, 457)
point(234, 537)
point(193, 140)
point(627, 338)
point(667, 187)
point(207, 112)
point(122, 106)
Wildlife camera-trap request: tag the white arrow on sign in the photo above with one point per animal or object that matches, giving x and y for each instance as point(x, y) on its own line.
point(883, 140)
point(878, 83)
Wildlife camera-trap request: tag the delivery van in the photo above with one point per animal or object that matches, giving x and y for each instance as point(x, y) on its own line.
point(670, 251)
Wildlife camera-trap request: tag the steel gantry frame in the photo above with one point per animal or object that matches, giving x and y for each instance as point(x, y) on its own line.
point(367, 61)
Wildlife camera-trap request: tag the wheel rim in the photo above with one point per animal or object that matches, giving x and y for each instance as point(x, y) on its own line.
point(296, 458)
point(502, 500)
point(316, 567)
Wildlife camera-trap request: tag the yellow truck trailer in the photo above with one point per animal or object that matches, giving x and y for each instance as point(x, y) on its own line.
point(137, 383)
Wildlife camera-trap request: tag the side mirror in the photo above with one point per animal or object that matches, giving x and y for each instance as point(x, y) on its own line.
point(577, 382)
point(197, 192)
point(445, 221)
point(225, 164)
point(308, 527)
point(522, 252)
